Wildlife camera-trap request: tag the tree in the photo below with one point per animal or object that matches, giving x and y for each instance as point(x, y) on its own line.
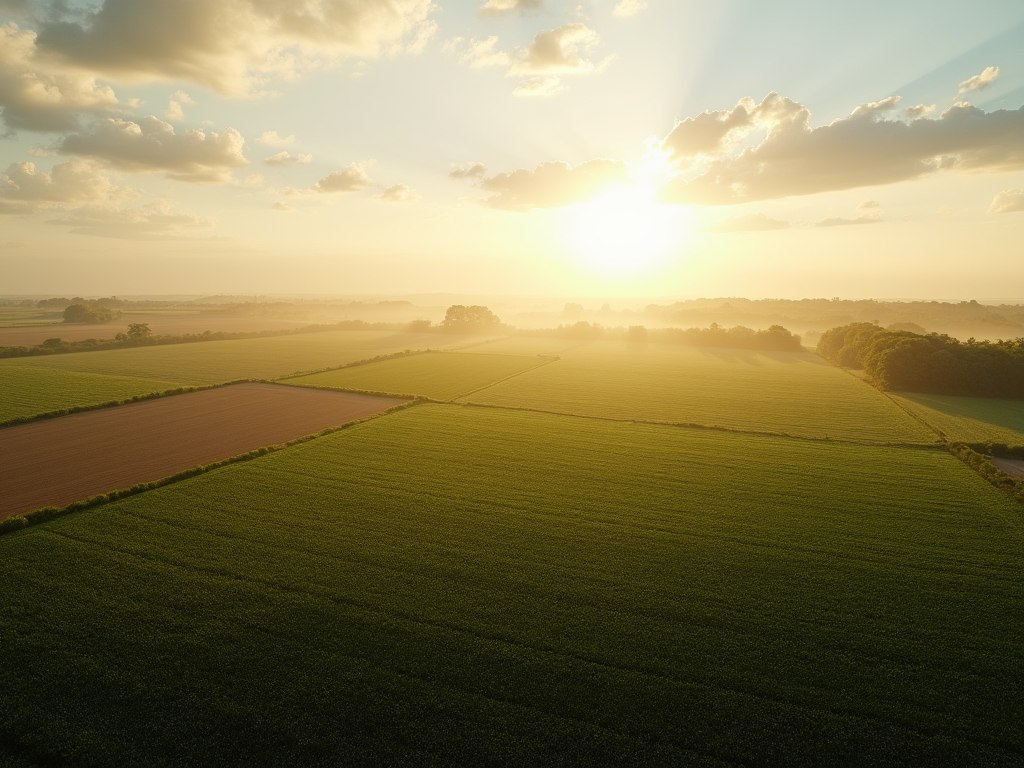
point(471, 319)
point(82, 313)
point(139, 331)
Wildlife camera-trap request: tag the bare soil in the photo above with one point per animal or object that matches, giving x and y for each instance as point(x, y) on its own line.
point(58, 461)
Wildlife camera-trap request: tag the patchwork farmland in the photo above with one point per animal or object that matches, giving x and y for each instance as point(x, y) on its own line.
point(546, 571)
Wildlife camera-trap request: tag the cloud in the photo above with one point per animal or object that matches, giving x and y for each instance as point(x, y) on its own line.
point(471, 171)
point(158, 221)
point(553, 185)
point(1008, 201)
point(272, 139)
point(552, 54)
point(174, 112)
point(478, 53)
point(869, 205)
point(284, 158)
point(979, 82)
point(865, 149)
point(152, 145)
point(500, 7)
point(627, 8)
point(398, 193)
point(26, 189)
point(352, 179)
point(920, 110)
point(754, 222)
point(230, 46)
point(284, 207)
point(838, 221)
point(34, 97)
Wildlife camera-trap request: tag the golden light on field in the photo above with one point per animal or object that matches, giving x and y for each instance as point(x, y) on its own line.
point(625, 230)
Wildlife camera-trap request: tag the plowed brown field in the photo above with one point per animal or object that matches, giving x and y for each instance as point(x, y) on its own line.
point(56, 462)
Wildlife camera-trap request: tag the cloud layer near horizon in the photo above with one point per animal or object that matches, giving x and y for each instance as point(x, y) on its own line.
point(865, 149)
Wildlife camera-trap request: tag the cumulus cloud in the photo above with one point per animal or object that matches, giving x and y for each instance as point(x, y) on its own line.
point(35, 97)
point(283, 207)
point(868, 206)
point(539, 67)
point(471, 171)
point(1008, 201)
point(152, 145)
point(754, 222)
point(980, 82)
point(627, 8)
point(228, 45)
point(26, 189)
point(285, 158)
point(499, 7)
point(553, 185)
point(867, 148)
point(398, 193)
point(352, 179)
point(158, 221)
point(273, 139)
point(920, 110)
point(174, 109)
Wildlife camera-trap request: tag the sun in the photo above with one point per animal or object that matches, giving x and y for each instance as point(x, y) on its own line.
point(625, 230)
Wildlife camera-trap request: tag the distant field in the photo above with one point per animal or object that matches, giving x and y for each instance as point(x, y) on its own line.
point(462, 585)
point(970, 419)
point(58, 461)
point(212, 362)
point(440, 376)
point(27, 391)
point(526, 345)
point(794, 393)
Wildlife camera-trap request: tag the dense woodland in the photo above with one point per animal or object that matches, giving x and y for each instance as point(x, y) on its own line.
point(933, 363)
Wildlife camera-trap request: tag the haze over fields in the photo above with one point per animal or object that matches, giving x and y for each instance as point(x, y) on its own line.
point(511, 383)
point(609, 147)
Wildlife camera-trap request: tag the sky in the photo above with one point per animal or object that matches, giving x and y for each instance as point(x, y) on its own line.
point(659, 148)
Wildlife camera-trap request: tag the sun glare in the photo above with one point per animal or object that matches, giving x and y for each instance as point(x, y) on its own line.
point(626, 230)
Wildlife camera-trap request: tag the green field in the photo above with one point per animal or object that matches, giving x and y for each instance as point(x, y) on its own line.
point(483, 587)
point(28, 391)
point(526, 345)
point(212, 362)
point(441, 376)
point(783, 392)
point(969, 419)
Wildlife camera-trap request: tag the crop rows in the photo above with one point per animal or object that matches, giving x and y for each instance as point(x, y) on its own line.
point(969, 419)
point(217, 361)
point(451, 584)
point(437, 376)
point(28, 391)
point(781, 392)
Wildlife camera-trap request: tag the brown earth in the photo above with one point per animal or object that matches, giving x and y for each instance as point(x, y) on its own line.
point(58, 461)
point(174, 325)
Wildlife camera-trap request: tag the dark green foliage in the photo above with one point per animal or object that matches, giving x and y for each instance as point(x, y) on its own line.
point(455, 586)
point(981, 464)
point(936, 364)
point(775, 338)
point(89, 313)
point(471, 319)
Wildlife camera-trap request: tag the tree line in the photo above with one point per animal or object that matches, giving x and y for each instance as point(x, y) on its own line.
point(774, 338)
point(934, 363)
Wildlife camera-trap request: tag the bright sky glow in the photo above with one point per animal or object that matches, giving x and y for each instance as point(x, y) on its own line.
point(385, 146)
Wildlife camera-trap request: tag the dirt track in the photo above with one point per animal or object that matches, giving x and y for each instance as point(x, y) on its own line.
point(1010, 467)
point(55, 462)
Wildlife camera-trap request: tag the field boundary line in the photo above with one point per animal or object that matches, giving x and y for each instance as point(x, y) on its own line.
point(357, 363)
point(979, 463)
point(545, 360)
point(45, 514)
point(127, 401)
point(704, 427)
